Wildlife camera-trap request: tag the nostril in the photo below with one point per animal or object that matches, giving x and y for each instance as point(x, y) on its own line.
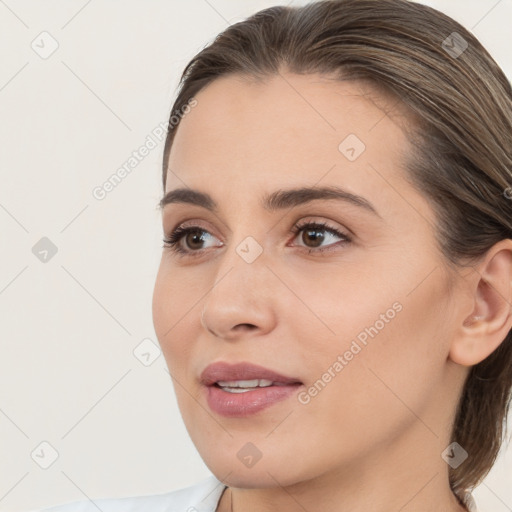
point(245, 327)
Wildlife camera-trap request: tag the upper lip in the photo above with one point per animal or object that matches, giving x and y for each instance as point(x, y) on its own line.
point(222, 371)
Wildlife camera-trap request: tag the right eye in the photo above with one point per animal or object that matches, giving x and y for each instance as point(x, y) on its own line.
point(192, 236)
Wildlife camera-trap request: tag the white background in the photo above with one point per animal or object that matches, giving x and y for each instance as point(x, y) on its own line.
point(68, 328)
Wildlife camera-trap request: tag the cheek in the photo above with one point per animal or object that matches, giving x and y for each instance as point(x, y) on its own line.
point(337, 304)
point(173, 300)
point(174, 329)
point(379, 389)
point(386, 346)
point(174, 309)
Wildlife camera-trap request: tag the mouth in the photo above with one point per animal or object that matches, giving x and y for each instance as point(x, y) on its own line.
point(243, 375)
point(242, 389)
point(243, 386)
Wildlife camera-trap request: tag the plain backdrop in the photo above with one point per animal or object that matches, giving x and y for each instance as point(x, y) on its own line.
point(83, 388)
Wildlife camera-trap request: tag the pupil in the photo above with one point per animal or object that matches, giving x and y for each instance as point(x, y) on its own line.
point(317, 240)
point(194, 235)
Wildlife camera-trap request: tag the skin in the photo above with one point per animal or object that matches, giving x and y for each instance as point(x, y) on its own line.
point(372, 438)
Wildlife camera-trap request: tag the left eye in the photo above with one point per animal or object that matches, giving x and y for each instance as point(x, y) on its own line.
point(313, 233)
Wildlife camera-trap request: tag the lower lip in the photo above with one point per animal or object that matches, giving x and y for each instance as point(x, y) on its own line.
point(239, 405)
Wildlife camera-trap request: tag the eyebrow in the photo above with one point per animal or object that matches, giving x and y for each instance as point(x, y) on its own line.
point(278, 200)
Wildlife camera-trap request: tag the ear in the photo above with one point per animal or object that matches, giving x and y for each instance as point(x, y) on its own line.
point(488, 324)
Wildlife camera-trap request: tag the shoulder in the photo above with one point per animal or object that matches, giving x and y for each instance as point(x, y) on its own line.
point(202, 496)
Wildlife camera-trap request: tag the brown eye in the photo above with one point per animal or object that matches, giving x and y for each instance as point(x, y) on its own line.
point(192, 238)
point(314, 235)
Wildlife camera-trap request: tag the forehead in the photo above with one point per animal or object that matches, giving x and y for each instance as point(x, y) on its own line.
point(286, 129)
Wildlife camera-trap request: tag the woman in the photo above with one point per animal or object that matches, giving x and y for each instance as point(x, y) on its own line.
point(334, 299)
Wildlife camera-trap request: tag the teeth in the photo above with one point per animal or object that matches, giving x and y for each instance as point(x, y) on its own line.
point(240, 386)
point(238, 390)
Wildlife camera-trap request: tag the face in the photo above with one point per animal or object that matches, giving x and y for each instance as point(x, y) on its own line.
point(348, 295)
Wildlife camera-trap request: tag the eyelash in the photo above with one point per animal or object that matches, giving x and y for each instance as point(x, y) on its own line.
point(172, 242)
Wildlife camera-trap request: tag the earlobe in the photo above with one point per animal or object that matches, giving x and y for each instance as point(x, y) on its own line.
point(490, 321)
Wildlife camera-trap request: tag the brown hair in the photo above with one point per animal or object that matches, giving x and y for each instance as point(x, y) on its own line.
point(462, 145)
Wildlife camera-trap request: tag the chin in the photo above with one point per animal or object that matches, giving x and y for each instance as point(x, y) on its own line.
point(251, 478)
point(271, 471)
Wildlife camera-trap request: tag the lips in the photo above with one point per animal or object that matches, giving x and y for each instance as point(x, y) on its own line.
point(243, 389)
point(222, 371)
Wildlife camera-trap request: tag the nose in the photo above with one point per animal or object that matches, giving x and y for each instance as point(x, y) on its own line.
point(242, 300)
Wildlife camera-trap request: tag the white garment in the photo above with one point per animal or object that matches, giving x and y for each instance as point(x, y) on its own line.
point(204, 496)
point(469, 502)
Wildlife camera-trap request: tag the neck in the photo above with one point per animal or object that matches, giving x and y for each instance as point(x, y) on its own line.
point(288, 499)
point(409, 481)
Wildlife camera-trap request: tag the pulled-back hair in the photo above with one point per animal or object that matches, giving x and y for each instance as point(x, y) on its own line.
point(461, 157)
